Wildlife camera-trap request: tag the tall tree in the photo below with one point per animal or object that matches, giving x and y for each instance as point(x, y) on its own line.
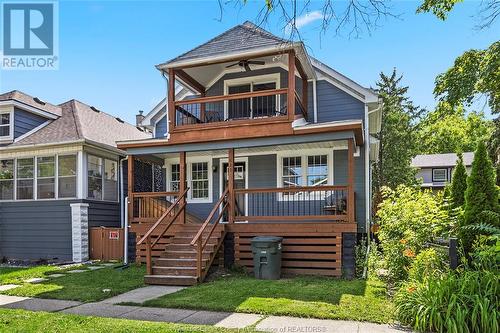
point(398, 135)
point(458, 183)
point(481, 195)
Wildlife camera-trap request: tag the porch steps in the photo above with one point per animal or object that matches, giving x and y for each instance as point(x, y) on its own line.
point(177, 264)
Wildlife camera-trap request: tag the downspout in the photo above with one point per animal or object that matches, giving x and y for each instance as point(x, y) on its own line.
point(124, 214)
point(367, 190)
point(167, 135)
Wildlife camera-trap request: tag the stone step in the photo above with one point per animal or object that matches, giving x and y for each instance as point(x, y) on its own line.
point(170, 280)
point(177, 271)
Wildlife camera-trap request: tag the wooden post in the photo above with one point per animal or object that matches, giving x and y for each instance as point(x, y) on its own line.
point(202, 108)
point(199, 258)
point(182, 183)
point(171, 100)
point(230, 185)
point(304, 95)
point(149, 268)
point(350, 180)
point(291, 86)
point(130, 188)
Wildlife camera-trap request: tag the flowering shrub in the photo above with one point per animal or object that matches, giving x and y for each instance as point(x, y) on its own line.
point(409, 218)
point(427, 264)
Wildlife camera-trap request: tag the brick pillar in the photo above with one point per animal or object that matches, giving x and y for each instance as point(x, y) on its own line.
point(348, 255)
point(80, 231)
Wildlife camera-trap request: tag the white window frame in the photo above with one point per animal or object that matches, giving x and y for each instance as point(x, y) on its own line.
point(56, 184)
point(189, 162)
point(304, 160)
point(434, 180)
point(10, 112)
point(34, 158)
point(252, 80)
point(76, 175)
point(13, 178)
point(103, 167)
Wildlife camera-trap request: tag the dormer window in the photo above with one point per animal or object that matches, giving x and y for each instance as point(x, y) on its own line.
point(6, 121)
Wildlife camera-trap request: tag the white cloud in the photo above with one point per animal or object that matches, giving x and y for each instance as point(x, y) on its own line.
point(306, 19)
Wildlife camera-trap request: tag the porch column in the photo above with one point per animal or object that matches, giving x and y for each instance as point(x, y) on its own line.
point(291, 86)
point(182, 183)
point(171, 100)
point(350, 180)
point(230, 184)
point(130, 187)
point(80, 231)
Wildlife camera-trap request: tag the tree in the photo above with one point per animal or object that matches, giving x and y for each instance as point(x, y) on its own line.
point(481, 195)
point(398, 135)
point(459, 183)
point(448, 130)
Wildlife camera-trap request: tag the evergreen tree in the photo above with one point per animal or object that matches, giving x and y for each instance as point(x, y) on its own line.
point(481, 195)
point(459, 183)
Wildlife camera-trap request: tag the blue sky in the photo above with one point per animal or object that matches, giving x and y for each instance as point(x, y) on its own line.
point(108, 49)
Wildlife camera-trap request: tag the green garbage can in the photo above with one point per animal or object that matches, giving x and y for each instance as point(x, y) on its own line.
point(267, 257)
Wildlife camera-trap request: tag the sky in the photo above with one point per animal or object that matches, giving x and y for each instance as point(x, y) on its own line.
point(108, 49)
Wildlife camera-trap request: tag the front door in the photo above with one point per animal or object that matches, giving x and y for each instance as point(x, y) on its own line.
point(239, 183)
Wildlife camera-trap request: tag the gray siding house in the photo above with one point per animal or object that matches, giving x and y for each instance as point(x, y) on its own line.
point(269, 139)
point(59, 176)
point(435, 170)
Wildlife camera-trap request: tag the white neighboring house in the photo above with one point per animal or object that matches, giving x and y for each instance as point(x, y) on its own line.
point(435, 170)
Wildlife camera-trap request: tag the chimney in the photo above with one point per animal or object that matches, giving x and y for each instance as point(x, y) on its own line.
point(139, 118)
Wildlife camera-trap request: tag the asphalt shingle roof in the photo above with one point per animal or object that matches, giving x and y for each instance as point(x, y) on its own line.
point(440, 160)
point(242, 37)
point(26, 99)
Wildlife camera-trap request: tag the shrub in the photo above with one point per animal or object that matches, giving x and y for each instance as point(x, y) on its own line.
point(409, 218)
point(466, 302)
point(427, 264)
point(360, 257)
point(458, 183)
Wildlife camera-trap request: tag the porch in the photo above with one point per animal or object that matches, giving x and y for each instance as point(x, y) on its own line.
point(209, 204)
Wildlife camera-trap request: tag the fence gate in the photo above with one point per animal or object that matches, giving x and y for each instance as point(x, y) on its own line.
point(106, 243)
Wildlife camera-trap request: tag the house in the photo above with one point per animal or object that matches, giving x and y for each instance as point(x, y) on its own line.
point(59, 175)
point(435, 170)
point(255, 137)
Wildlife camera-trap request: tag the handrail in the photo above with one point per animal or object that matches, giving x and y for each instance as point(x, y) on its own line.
point(160, 220)
point(292, 189)
point(198, 238)
point(230, 97)
point(153, 194)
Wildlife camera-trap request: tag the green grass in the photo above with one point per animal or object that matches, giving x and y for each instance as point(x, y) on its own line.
point(84, 287)
point(27, 321)
point(314, 297)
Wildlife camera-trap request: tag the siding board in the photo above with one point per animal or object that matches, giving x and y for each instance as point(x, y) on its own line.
point(25, 121)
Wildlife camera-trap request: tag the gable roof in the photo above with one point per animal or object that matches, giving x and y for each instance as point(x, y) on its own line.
point(79, 122)
point(240, 38)
point(441, 160)
point(30, 101)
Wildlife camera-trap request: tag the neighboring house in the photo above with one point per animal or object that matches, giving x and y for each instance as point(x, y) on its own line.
point(435, 170)
point(59, 175)
point(251, 150)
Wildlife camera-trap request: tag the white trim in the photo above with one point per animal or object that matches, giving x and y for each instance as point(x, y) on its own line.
point(39, 127)
point(221, 178)
point(29, 108)
point(10, 112)
point(189, 161)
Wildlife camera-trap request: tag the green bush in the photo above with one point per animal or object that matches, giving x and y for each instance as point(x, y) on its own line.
point(427, 264)
point(409, 218)
point(458, 183)
point(360, 257)
point(458, 302)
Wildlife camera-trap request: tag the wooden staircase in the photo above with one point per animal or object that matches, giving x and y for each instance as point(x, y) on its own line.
point(178, 264)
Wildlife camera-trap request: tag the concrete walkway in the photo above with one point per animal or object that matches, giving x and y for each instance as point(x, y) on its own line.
point(109, 308)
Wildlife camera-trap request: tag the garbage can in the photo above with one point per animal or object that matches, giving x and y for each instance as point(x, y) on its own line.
point(267, 257)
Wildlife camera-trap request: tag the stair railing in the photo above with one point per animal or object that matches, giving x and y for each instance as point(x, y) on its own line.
point(169, 217)
point(198, 238)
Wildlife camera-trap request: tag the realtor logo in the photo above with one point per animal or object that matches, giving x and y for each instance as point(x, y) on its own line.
point(29, 35)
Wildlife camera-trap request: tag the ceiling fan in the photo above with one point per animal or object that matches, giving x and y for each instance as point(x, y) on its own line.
point(245, 64)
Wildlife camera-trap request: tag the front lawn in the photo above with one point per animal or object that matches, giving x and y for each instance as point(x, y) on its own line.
point(89, 286)
point(315, 297)
point(27, 321)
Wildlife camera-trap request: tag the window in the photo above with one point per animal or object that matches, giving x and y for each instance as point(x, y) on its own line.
point(5, 121)
point(67, 176)
point(439, 175)
point(25, 174)
point(46, 181)
point(306, 170)
point(292, 171)
point(317, 170)
point(199, 180)
point(6, 179)
point(94, 177)
point(110, 180)
point(175, 176)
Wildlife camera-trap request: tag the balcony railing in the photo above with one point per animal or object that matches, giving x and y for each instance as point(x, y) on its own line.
point(241, 106)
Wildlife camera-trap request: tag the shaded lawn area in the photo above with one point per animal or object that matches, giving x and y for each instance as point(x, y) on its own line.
point(315, 297)
point(27, 321)
point(85, 287)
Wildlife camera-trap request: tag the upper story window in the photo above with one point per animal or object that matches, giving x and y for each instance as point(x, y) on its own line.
point(6, 122)
point(102, 178)
point(439, 175)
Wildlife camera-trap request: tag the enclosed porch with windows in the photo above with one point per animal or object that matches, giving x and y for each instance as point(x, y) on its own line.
point(208, 204)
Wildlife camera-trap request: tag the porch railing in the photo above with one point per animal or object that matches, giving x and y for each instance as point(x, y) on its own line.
point(239, 106)
point(149, 206)
point(327, 203)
